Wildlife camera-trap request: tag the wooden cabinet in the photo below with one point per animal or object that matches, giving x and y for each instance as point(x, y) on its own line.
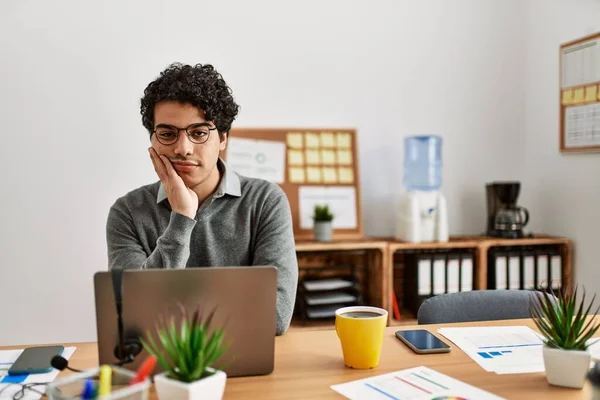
point(377, 256)
point(479, 247)
point(368, 258)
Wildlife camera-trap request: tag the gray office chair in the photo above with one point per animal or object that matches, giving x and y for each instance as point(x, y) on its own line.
point(478, 305)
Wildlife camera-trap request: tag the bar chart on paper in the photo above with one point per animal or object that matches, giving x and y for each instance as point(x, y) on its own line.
point(493, 354)
point(418, 383)
point(504, 350)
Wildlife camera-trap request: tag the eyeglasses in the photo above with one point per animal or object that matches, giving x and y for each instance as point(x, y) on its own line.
point(169, 134)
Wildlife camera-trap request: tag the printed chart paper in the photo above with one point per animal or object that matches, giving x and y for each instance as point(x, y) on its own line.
point(414, 384)
point(261, 159)
point(500, 349)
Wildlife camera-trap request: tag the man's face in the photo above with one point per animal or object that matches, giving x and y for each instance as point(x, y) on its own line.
point(193, 162)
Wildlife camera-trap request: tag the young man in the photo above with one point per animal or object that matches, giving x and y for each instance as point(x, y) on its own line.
point(200, 212)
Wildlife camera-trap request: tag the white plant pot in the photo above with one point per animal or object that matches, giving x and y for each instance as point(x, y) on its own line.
point(210, 388)
point(323, 231)
point(567, 368)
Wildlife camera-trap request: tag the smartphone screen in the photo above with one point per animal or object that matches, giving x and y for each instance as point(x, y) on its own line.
point(35, 360)
point(422, 340)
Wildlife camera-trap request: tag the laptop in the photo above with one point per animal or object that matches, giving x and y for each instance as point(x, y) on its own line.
point(244, 298)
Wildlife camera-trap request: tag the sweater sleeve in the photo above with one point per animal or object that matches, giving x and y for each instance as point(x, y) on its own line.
point(125, 249)
point(275, 246)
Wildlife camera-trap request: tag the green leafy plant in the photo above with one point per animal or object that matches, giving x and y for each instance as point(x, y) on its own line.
point(187, 347)
point(322, 213)
point(562, 319)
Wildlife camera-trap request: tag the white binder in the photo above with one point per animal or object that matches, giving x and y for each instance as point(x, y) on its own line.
point(529, 272)
point(466, 275)
point(542, 271)
point(556, 268)
point(501, 281)
point(514, 272)
point(424, 277)
point(453, 275)
point(439, 276)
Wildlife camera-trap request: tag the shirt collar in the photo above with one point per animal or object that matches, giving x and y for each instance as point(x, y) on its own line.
point(230, 183)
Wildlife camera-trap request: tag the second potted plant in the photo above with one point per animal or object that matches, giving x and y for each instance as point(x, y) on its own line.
point(188, 353)
point(323, 225)
point(563, 322)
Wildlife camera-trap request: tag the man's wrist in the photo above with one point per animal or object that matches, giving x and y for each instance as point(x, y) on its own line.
point(185, 213)
point(179, 230)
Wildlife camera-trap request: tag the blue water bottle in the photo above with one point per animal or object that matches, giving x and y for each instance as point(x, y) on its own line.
point(423, 163)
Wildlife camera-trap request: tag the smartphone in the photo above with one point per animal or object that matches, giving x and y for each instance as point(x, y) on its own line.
point(35, 360)
point(422, 341)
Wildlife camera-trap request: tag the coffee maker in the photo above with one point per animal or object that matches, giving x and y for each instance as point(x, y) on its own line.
point(505, 218)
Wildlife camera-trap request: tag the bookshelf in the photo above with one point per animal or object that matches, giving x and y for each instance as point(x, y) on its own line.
point(479, 247)
point(380, 264)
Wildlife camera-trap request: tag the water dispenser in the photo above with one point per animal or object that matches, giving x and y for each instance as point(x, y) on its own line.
point(422, 213)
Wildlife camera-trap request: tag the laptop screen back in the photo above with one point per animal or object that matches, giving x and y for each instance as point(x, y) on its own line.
point(244, 300)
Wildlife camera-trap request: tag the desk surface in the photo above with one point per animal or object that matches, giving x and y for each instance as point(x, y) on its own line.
point(307, 363)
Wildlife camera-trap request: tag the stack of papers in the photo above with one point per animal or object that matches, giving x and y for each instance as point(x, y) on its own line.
point(12, 384)
point(327, 284)
point(415, 384)
point(329, 298)
point(503, 350)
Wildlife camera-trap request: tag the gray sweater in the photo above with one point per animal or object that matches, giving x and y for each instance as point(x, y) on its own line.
point(245, 222)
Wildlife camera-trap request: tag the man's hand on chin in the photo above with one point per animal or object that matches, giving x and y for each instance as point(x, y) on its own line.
point(183, 200)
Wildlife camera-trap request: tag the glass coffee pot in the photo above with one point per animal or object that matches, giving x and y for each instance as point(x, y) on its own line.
point(511, 219)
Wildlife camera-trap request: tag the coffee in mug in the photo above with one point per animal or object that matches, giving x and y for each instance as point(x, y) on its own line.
point(361, 330)
point(361, 314)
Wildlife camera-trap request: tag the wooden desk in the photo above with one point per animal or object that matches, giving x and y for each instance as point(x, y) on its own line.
point(307, 363)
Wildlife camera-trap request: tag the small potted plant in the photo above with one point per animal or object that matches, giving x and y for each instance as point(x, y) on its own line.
point(563, 322)
point(187, 353)
point(323, 226)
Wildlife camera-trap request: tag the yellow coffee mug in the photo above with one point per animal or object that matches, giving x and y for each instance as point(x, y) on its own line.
point(361, 330)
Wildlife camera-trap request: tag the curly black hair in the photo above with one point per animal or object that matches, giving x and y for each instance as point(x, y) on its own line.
point(199, 85)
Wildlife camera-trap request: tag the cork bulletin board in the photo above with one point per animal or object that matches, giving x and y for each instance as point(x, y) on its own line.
point(312, 166)
point(579, 103)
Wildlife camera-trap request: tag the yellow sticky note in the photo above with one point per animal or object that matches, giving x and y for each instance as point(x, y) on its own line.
point(313, 175)
point(599, 91)
point(329, 175)
point(295, 157)
point(312, 140)
point(344, 140)
point(590, 93)
point(312, 157)
point(328, 157)
point(296, 175)
point(578, 96)
point(295, 140)
point(327, 139)
point(344, 157)
point(567, 97)
point(346, 175)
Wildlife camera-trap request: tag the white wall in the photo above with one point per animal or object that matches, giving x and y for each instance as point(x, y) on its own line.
point(563, 191)
point(72, 73)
